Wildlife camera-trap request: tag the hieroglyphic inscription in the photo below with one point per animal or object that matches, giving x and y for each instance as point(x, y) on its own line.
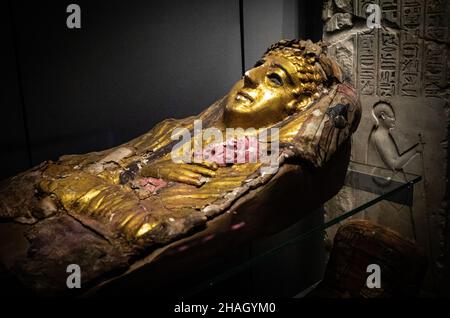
point(412, 16)
point(388, 70)
point(436, 20)
point(410, 65)
point(400, 60)
point(390, 10)
point(367, 54)
point(435, 72)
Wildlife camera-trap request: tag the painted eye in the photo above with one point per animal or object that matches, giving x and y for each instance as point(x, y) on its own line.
point(275, 79)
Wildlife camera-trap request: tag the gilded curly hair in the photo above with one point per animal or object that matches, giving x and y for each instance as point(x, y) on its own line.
point(314, 67)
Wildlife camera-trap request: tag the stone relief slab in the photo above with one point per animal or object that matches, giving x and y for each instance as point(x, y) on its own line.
point(401, 72)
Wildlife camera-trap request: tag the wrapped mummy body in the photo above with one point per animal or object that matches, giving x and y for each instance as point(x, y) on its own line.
point(101, 208)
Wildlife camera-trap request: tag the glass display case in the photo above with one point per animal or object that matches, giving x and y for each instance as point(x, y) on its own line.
point(373, 186)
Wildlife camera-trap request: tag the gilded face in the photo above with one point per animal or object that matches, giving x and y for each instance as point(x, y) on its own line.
point(264, 96)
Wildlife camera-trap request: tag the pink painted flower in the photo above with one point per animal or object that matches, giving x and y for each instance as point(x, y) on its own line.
point(237, 150)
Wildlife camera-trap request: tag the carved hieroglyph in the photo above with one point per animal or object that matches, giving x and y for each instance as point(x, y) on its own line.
point(401, 73)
